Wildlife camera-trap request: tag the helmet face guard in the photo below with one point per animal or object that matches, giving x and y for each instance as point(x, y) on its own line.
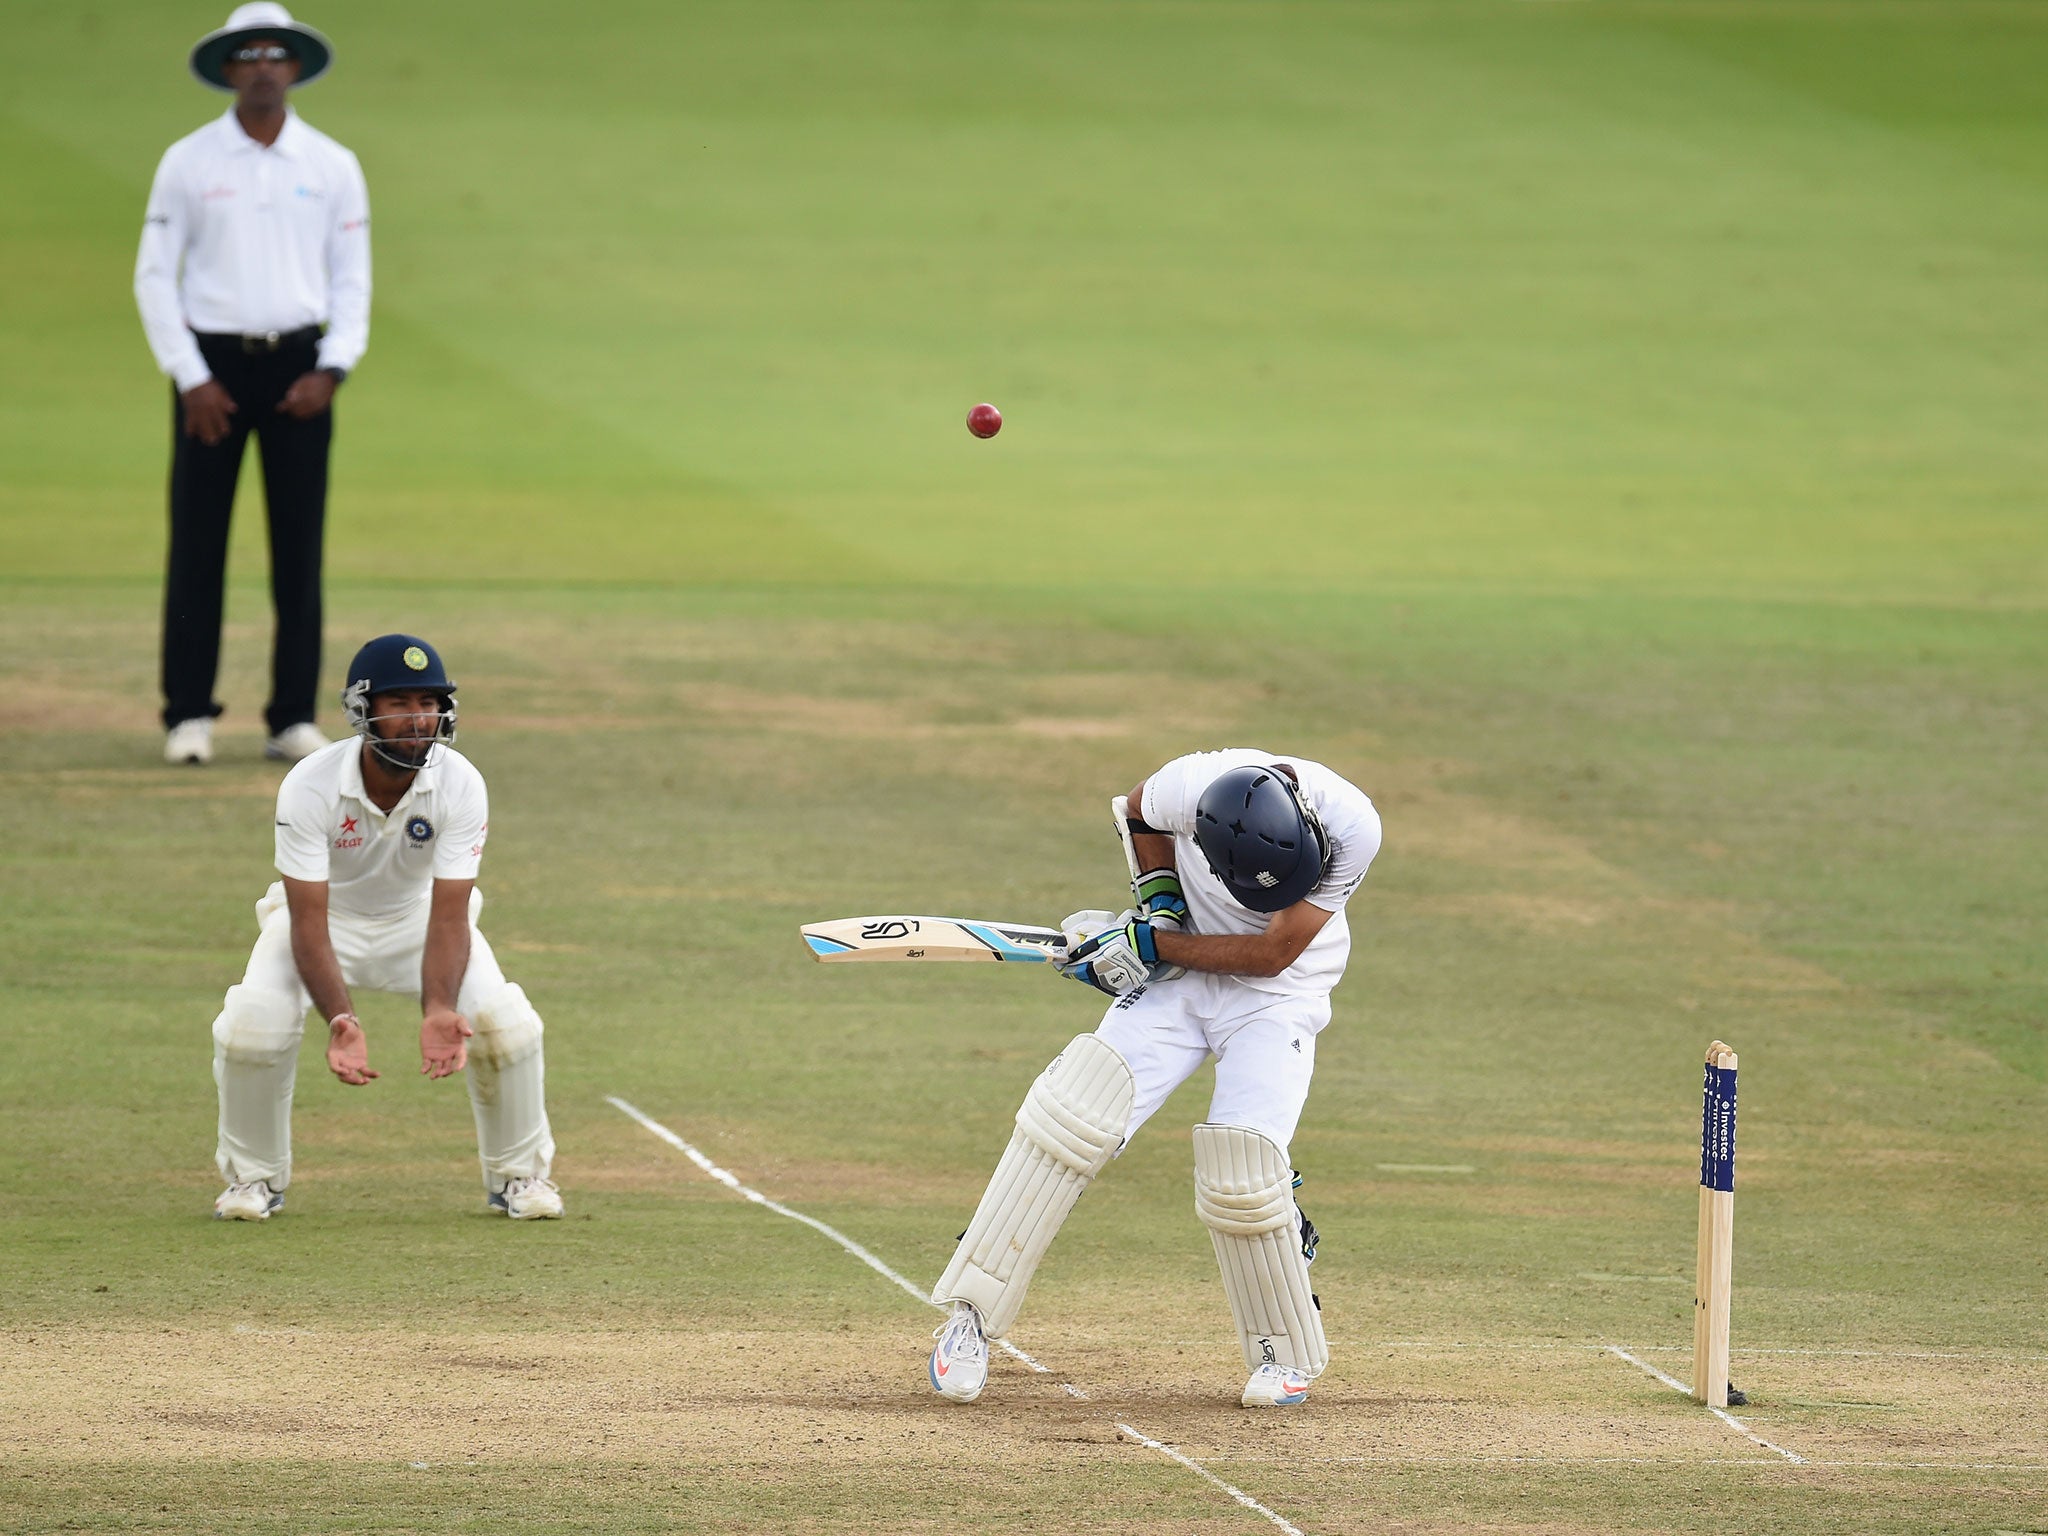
point(395, 664)
point(1261, 837)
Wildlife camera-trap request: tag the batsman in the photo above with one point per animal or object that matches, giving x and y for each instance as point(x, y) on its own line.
point(379, 838)
point(1241, 864)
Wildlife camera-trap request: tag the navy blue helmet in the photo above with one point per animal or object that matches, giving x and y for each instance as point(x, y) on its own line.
point(386, 665)
point(1261, 838)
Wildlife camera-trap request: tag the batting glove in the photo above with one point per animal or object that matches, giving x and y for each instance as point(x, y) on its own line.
point(1116, 960)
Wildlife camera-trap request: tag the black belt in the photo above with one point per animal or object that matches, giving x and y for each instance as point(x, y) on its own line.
point(262, 341)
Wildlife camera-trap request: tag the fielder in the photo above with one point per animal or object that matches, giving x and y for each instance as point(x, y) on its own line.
point(1242, 864)
point(379, 837)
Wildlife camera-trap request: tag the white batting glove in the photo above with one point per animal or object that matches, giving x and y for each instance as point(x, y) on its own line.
point(1118, 958)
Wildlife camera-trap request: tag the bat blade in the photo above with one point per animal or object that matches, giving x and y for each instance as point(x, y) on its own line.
point(930, 938)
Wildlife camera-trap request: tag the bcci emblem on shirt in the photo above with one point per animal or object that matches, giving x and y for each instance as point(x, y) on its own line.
point(420, 830)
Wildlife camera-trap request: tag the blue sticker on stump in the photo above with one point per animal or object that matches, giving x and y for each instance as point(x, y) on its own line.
point(1717, 1130)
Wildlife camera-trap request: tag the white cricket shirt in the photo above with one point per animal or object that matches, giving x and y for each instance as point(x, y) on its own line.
point(244, 238)
point(1171, 796)
point(380, 865)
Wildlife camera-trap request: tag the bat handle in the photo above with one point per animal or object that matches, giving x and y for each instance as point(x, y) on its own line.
point(1120, 811)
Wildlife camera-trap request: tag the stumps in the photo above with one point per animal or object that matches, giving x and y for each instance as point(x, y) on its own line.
point(1717, 1230)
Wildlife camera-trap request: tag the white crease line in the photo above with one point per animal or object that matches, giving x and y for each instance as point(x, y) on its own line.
point(1720, 1413)
point(1692, 1462)
point(731, 1182)
point(1207, 1476)
point(1643, 1365)
point(1985, 1356)
point(1988, 1357)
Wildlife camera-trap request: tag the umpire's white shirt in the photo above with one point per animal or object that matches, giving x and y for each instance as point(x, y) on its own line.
point(1171, 796)
point(244, 238)
point(379, 865)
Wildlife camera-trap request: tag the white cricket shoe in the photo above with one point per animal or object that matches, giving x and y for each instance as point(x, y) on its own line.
point(247, 1202)
point(959, 1367)
point(1275, 1386)
point(189, 741)
point(295, 742)
point(529, 1200)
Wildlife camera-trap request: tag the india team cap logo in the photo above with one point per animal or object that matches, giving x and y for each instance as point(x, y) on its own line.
point(416, 658)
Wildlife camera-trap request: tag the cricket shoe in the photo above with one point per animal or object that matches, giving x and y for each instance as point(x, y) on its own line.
point(247, 1202)
point(528, 1200)
point(295, 742)
point(959, 1367)
point(189, 741)
point(1275, 1386)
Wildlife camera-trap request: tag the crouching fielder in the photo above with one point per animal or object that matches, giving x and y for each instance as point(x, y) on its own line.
point(1242, 863)
point(379, 837)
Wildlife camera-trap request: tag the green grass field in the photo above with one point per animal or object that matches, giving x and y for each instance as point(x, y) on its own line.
point(1609, 433)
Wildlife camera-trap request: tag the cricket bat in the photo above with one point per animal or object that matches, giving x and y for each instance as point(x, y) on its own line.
point(931, 938)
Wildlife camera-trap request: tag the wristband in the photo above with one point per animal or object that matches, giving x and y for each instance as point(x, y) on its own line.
point(340, 377)
point(339, 1018)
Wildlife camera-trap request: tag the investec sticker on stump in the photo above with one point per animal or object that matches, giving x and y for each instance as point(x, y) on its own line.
point(1717, 1129)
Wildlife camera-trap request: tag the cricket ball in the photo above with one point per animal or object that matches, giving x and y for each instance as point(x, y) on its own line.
point(984, 420)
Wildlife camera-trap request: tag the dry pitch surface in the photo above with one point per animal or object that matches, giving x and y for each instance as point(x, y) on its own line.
point(801, 1428)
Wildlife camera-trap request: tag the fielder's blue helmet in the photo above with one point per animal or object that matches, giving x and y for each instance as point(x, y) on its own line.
point(1261, 838)
point(389, 663)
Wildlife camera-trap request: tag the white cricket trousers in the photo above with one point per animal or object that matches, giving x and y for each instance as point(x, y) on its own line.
point(257, 1037)
point(1264, 1044)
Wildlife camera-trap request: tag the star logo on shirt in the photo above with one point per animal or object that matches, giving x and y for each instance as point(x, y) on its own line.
point(348, 824)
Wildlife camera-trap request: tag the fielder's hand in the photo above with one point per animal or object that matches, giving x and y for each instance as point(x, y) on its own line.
point(442, 1049)
point(348, 1053)
point(1117, 959)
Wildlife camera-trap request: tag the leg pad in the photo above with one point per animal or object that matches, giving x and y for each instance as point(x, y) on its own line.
point(1244, 1193)
point(258, 1028)
point(1071, 1123)
point(508, 1028)
point(255, 1057)
point(508, 1090)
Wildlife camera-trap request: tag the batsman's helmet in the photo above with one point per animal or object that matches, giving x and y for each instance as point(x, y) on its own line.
point(386, 664)
point(1261, 838)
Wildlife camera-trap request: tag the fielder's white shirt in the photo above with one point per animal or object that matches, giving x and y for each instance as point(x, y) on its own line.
point(1171, 796)
point(380, 865)
point(244, 238)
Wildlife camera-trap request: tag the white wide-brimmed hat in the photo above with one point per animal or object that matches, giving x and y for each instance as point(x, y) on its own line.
point(261, 19)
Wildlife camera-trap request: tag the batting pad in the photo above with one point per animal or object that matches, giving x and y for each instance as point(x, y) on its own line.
point(1244, 1193)
point(255, 1059)
point(1072, 1122)
point(508, 1090)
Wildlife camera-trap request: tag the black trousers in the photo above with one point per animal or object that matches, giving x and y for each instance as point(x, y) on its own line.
point(294, 455)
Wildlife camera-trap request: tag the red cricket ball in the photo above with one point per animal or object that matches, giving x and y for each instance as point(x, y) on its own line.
point(984, 420)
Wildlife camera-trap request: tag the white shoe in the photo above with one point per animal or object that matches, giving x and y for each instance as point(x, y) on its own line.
point(1275, 1386)
point(189, 741)
point(959, 1367)
point(528, 1200)
point(295, 742)
point(247, 1202)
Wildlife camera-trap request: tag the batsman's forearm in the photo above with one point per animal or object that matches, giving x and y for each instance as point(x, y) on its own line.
point(1154, 850)
point(445, 958)
point(1225, 954)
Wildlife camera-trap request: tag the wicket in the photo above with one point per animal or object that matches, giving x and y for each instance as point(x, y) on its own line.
point(1717, 1231)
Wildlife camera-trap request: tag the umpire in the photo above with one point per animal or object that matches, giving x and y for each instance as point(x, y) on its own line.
point(258, 237)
